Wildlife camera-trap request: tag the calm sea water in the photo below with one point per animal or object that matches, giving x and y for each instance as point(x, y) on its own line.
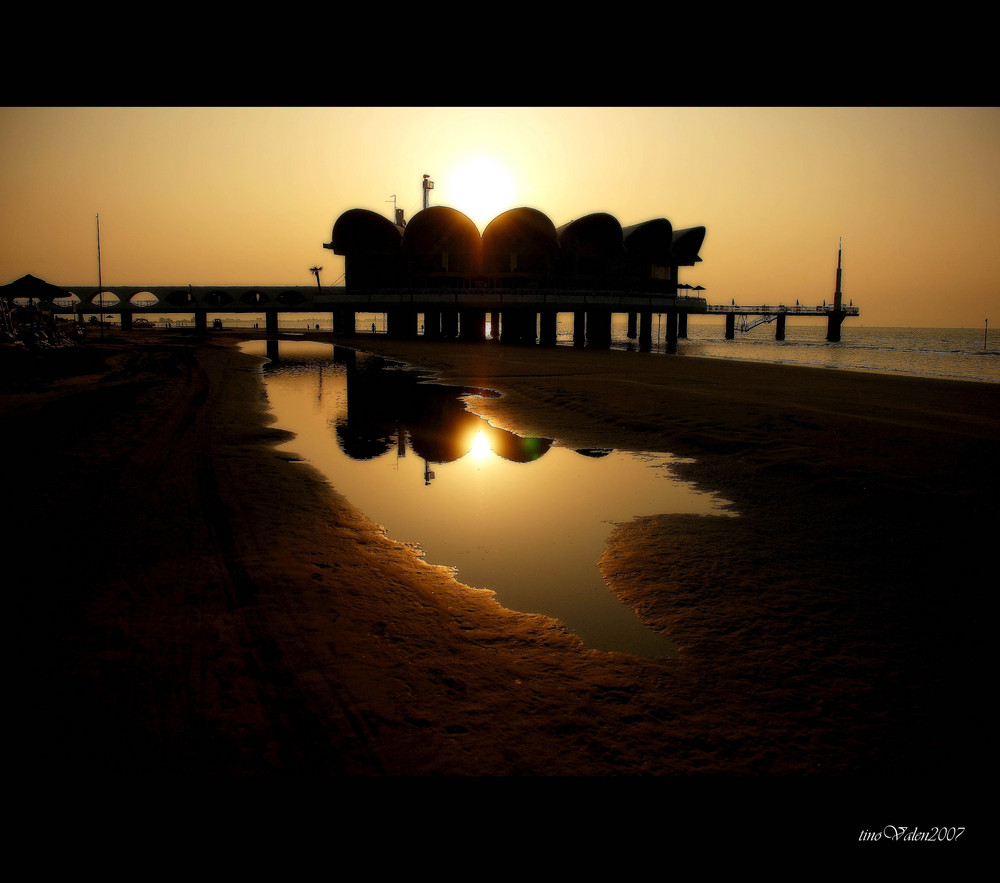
point(956, 353)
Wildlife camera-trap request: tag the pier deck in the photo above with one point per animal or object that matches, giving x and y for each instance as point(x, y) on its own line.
point(448, 313)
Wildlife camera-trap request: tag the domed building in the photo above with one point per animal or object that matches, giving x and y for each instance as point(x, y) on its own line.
point(441, 248)
point(518, 274)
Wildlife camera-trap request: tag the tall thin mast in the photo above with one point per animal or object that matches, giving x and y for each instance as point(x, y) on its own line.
point(837, 295)
point(100, 284)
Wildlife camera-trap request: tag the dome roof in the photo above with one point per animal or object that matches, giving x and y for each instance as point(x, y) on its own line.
point(525, 230)
point(686, 245)
point(361, 231)
point(650, 239)
point(598, 233)
point(440, 228)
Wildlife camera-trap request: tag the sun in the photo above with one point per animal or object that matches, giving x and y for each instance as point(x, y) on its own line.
point(481, 188)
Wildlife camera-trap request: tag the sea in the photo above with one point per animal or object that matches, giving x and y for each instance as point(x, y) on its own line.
point(950, 353)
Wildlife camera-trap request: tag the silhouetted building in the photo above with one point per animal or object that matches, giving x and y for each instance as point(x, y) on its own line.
point(441, 248)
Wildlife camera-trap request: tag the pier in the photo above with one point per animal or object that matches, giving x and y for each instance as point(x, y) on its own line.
point(746, 318)
point(438, 278)
point(522, 317)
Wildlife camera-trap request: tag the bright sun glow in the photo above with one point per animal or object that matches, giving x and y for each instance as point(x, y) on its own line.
point(481, 188)
point(480, 446)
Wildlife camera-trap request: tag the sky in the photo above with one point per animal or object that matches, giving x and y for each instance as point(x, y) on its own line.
point(248, 195)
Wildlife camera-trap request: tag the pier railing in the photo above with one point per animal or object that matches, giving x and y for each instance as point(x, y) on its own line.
point(486, 298)
point(300, 299)
point(779, 309)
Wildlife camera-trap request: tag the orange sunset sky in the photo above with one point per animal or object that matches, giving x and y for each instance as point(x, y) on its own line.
point(246, 195)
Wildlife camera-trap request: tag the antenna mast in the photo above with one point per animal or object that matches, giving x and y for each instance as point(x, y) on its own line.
point(100, 284)
point(397, 213)
point(428, 186)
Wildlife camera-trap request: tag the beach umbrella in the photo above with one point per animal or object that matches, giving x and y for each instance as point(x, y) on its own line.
point(32, 288)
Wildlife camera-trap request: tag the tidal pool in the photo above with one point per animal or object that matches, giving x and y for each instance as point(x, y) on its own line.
point(521, 517)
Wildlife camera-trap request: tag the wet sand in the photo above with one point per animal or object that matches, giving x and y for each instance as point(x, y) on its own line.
point(193, 601)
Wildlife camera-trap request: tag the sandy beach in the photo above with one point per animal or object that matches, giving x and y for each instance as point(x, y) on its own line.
point(196, 602)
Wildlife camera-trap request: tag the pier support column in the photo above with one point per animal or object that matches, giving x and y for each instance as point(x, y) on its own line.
point(671, 331)
point(682, 325)
point(530, 335)
point(632, 316)
point(432, 324)
point(730, 326)
point(519, 326)
point(343, 322)
point(579, 328)
point(548, 323)
point(271, 322)
point(449, 324)
point(508, 330)
point(473, 325)
point(833, 324)
point(401, 324)
point(599, 329)
point(495, 325)
point(645, 331)
point(779, 330)
point(126, 321)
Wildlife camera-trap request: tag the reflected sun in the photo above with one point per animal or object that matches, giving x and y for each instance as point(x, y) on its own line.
point(480, 446)
point(481, 188)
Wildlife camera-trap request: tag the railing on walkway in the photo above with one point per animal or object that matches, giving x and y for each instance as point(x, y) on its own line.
point(779, 309)
point(246, 298)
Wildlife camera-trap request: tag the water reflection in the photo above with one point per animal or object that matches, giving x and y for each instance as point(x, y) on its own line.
point(387, 404)
point(519, 516)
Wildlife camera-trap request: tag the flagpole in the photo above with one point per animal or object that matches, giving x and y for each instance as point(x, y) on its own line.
point(100, 284)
